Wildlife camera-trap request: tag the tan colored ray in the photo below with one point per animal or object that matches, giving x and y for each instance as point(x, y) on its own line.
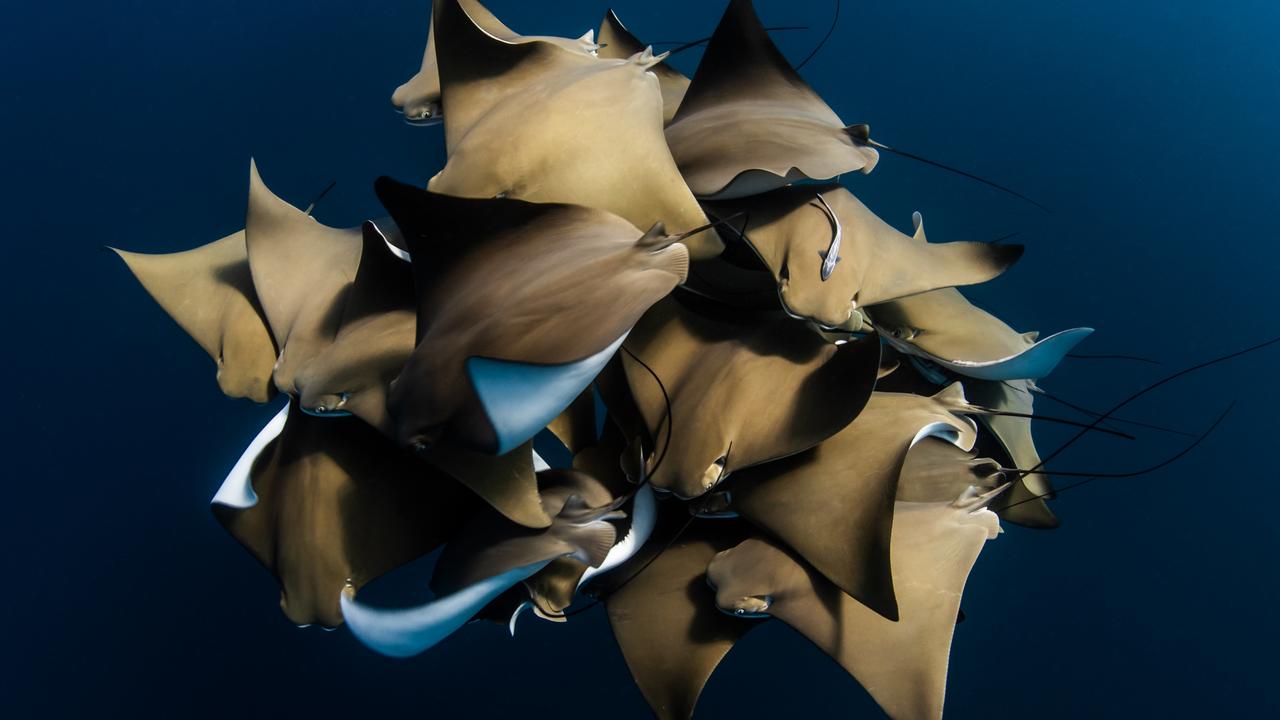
point(514, 281)
point(374, 338)
point(749, 123)
point(208, 291)
point(338, 504)
point(618, 42)
point(1025, 502)
point(936, 470)
point(576, 426)
point(794, 230)
point(535, 121)
point(944, 324)
point(903, 664)
point(419, 97)
point(742, 393)
point(665, 619)
point(507, 482)
point(945, 328)
point(490, 545)
point(301, 272)
point(834, 505)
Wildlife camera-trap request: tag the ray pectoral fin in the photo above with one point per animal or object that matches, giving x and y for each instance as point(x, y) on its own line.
point(407, 632)
point(520, 399)
point(1033, 363)
point(236, 490)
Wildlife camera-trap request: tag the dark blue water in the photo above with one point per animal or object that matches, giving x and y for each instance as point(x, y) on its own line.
point(1149, 127)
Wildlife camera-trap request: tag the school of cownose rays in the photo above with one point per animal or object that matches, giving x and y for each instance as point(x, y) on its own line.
point(804, 419)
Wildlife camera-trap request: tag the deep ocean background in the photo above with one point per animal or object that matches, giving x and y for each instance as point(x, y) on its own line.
point(1149, 128)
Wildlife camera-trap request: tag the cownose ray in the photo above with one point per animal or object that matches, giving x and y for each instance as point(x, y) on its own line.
point(664, 616)
point(302, 271)
point(208, 291)
point(944, 328)
point(830, 255)
point(552, 589)
point(1005, 438)
point(491, 544)
point(537, 122)
point(519, 305)
point(749, 123)
point(329, 503)
point(489, 556)
point(902, 664)
point(743, 389)
point(373, 338)
point(616, 41)
point(834, 506)
point(419, 97)
point(1024, 504)
point(936, 469)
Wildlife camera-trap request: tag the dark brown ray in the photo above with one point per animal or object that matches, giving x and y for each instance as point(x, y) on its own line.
point(490, 545)
point(507, 482)
point(374, 339)
point(337, 504)
point(530, 288)
point(742, 392)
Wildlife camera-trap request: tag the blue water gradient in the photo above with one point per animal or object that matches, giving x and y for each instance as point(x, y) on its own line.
point(1149, 128)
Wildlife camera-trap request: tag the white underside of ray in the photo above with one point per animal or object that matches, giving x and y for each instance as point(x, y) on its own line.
point(1034, 363)
point(522, 398)
point(942, 431)
point(398, 252)
point(236, 490)
point(538, 463)
point(644, 512)
point(409, 631)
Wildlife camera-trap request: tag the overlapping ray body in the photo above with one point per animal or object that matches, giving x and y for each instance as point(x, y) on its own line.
point(419, 97)
point(902, 664)
point(802, 417)
point(711, 363)
point(946, 329)
point(749, 123)
point(486, 272)
point(1025, 502)
point(208, 291)
point(664, 615)
point(302, 271)
point(830, 254)
point(618, 42)
point(488, 557)
point(374, 337)
point(532, 120)
point(834, 505)
point(329, 503)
